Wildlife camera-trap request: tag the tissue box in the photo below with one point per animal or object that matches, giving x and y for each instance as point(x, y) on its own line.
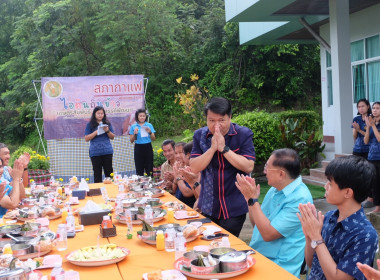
point(94, 192)
point(107, 232)
point(92, 218)
point(80, 194)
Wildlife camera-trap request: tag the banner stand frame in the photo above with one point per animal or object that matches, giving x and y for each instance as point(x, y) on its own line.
point(37, 117)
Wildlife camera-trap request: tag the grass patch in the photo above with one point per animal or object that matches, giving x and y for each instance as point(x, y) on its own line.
point(316, 191)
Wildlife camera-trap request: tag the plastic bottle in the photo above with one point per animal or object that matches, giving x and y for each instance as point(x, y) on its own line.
point(57, 273)
point(160, 240)
point(32, 187)
point(106, 222)
point(148, 215)
point(180, 245)
point(170, 235)
point(61, 238)
point(70, 222)
point(170, 216)
point(118, 207)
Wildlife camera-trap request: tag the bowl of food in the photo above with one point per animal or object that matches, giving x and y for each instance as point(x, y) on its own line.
point(21, 249)
point(233, 261)
point(153, 201)
point(30, 229)
point(218, 252)
point(130, 202)
point(192, 255)
point(204, 265)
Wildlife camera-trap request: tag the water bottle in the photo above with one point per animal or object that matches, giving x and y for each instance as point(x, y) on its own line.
point(170, 234)
point(180, 245)
point(32, 187)
point(57, 273)
point(121, 188)
point(61, 238)
point(148, 215)
point(70, 223)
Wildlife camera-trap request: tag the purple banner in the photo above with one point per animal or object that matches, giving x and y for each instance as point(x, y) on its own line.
point(68, 103)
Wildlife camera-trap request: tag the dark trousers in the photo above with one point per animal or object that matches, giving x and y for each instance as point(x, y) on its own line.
point(233, 225)
point(101, 162)
point(376, 183)
point(144, 159)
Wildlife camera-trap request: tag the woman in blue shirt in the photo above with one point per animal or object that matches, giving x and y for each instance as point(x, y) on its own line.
point(359, 128)
point(372, 136)
point(142, 134)
point(99, 131)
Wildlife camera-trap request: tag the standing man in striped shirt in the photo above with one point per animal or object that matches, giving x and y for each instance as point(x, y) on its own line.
point(221, 150)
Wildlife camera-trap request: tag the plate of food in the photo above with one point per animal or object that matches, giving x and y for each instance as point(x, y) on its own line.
point(178, 265)
point(183, 214)
point(176, 205)
point(171, 274)
point(43, 262)
point(98, 256)
point(33, 255)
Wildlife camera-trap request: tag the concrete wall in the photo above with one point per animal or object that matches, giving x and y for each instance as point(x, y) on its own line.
point(365, 23)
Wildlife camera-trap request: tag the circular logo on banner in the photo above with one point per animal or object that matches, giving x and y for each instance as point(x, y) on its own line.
point(53, 89)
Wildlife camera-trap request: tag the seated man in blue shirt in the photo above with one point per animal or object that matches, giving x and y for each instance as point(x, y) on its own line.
point(277, 232)
point(337, 241)
point(11, 194)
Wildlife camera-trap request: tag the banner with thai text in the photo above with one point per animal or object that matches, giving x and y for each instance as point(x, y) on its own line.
point(68, 103)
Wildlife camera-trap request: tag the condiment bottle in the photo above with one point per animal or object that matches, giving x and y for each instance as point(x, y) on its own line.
point(160, 240)
point(106, 222)
point(64, 215)
point(170, 216)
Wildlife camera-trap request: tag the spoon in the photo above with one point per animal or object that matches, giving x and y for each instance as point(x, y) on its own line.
point(12, 237)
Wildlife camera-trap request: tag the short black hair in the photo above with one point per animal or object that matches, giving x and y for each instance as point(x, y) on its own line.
point(218, 105)
point(137, 114)
point(188, 147)
point(352, 172)
point(180, 144)
point(167, 142)
point(289, 160)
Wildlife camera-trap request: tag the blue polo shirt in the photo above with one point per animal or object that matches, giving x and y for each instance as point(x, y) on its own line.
point(280, 207)
point(142, 140)
point(219, 197)
point(359, 146)
point(100, 145)
point(349, 241)
point(374, 145)
point(6, 175)
point(2, 209)
point(189, 201)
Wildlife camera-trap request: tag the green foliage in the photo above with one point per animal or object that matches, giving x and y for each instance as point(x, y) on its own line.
point(161, 39)
point(16, 154)
point(305, 137)
point(187, 135)
point(158, 157)
point(265, 132)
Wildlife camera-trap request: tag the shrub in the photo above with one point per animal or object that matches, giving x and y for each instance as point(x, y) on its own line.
point(266, 132)
point(37, 161)
point(158, 157)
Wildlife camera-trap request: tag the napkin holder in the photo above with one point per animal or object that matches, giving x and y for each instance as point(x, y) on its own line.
point(107, 232)
point(94, 192)
point(80, 194)
point(92, 218)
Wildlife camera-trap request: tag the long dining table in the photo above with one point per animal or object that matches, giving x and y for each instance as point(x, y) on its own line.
point(143, 257)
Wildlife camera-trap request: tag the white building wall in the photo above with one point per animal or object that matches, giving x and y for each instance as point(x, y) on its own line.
point(363, 24)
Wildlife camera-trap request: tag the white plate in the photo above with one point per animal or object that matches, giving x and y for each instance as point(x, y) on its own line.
point(178, 265)
point(170, 274)
point(179, 215)
point(98, 263)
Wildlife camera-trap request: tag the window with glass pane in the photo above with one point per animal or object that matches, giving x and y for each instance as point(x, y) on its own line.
point(359, 82)
point(374, 81)
point(329, 88)
point(328, 59)
point(357, 50)
point(372, 46)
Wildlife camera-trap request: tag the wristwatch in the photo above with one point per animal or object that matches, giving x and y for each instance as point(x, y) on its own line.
point(178, 179)
point(225, 149)
point(196, 184)
point(252, 201)
point(314, 243)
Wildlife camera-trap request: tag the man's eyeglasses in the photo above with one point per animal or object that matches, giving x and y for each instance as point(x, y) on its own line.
point(266, 168)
